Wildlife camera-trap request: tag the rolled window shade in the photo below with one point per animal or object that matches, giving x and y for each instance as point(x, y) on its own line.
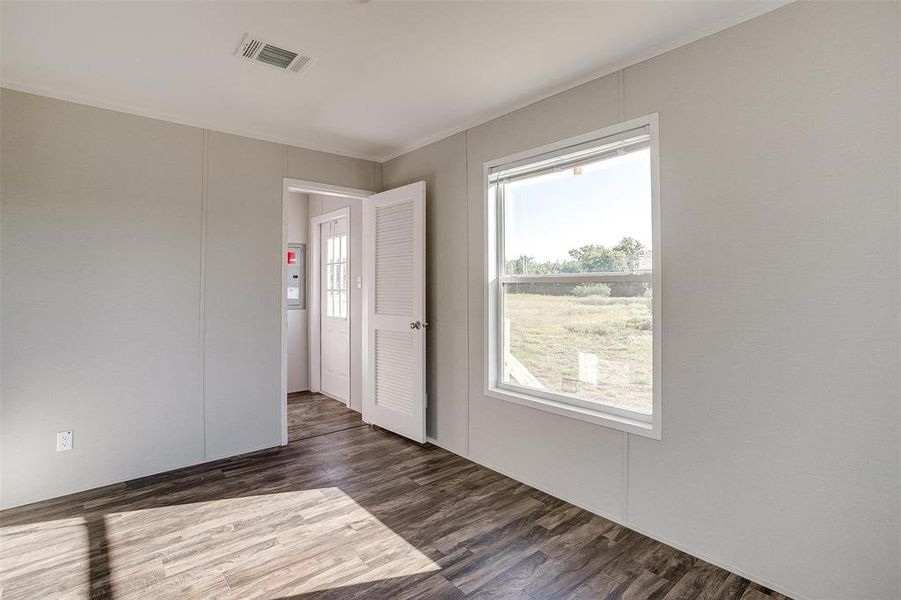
point(572, 156)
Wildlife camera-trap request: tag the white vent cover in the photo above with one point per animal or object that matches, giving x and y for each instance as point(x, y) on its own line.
point(255, 48)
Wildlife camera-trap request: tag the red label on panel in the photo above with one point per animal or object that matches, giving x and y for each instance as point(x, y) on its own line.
point(292, 258)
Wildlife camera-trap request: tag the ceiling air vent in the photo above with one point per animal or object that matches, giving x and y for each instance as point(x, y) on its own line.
point(253, 48)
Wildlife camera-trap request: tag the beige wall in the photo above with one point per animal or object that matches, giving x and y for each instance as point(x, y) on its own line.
point(333, 169)
point(297, 227)
point(242, 302)
point(100, 299)
point(779, 160)
point(141, 297)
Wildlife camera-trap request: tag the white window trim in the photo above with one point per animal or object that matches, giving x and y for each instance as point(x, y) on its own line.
point(560, 404)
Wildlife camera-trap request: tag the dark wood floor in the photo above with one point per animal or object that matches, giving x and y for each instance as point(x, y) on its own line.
point(311, 414)
point(348, 511)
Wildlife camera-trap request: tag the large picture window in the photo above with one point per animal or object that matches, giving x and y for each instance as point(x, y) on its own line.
point(575, 308)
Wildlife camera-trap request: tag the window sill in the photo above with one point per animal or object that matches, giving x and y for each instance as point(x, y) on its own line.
point(597, 417)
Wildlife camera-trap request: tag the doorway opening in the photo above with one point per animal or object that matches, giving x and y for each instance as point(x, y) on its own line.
point(364, 278)
point(321, 336)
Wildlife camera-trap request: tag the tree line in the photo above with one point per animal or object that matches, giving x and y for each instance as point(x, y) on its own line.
point(625, 256)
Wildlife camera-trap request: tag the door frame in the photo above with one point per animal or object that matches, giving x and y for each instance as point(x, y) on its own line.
point(302, 186)
point(315, 308)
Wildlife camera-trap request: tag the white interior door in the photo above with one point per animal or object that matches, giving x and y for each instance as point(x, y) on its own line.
point(394, 311)
point(334, 306)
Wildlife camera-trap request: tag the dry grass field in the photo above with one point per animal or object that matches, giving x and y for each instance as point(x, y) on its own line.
point(613, 335)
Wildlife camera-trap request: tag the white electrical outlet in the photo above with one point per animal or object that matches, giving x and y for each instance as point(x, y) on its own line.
point(64, 440)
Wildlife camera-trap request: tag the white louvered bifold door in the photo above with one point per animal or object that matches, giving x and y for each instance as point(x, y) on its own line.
point(395, 324)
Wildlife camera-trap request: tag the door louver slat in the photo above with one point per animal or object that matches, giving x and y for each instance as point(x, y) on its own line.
point(393, 378)
point(394, 263)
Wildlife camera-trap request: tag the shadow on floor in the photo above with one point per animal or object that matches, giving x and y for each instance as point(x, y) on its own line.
point(98, 557)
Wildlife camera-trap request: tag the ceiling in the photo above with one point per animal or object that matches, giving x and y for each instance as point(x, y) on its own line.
point(390, 76)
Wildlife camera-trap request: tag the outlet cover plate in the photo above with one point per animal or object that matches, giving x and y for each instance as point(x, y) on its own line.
point(64, 440)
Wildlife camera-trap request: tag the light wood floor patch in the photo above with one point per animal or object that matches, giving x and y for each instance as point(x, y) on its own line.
point(344, 511)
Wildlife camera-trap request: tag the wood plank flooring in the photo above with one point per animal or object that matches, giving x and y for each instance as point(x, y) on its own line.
point(311, 414)
point(345, 511)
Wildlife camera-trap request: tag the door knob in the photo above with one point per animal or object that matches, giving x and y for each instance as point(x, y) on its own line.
point(418, 325)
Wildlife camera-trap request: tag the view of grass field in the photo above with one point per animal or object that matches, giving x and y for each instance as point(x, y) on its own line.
point(588, 337)
point(594, 346)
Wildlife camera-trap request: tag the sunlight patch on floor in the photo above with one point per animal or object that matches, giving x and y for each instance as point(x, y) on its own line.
point(60, 544)
point(263, 546)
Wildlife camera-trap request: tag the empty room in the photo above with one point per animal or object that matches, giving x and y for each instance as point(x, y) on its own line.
point(383, 299)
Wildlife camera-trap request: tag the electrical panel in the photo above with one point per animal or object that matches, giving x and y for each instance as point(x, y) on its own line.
point(295, 276)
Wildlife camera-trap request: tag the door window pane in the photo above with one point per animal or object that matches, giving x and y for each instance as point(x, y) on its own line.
point(336, 276)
